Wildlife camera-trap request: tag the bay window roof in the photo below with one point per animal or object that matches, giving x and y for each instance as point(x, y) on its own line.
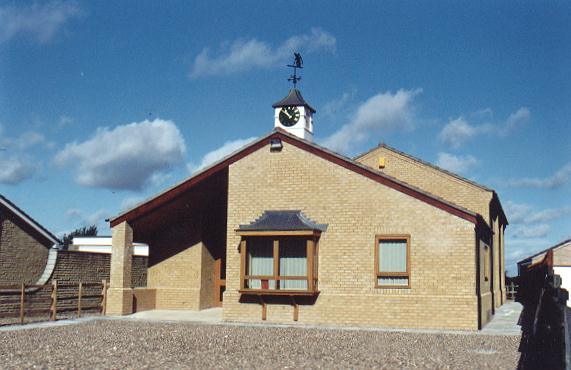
point(284, 220)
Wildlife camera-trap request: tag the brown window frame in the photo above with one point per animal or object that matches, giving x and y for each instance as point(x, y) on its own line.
point(379, 274)
point(312, 248)
point(487, 252)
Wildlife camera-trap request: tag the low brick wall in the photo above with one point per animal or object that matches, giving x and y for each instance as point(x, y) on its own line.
point(85, 266)
point(72, 267)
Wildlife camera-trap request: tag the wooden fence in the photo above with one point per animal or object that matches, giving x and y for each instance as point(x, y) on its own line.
point(50, 300)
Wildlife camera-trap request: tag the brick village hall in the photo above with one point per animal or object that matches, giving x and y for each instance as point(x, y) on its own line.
point(287, 231)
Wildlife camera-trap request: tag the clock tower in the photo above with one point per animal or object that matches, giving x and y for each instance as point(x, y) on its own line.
point(294, 115)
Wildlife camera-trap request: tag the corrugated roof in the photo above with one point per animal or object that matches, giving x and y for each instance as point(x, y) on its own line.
point(282, 220)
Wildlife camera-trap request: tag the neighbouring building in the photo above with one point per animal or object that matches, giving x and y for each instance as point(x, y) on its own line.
point(285, 230)
point(27, 249)
point(31, 254)
point(561, 263)
point(102, 244)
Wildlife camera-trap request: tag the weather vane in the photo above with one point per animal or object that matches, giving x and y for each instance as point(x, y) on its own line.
point(297, 63)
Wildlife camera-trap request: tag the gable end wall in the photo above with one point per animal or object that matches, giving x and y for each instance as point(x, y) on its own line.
point(443, 268)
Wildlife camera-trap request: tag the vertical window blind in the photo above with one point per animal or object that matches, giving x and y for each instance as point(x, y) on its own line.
point(392, 258)
point(293, 262)
point(260, 261)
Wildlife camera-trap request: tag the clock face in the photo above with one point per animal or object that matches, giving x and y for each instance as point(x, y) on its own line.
point(289, 116)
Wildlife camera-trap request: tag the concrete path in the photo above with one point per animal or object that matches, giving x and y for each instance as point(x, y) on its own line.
point(210, 315)
point(505, 320)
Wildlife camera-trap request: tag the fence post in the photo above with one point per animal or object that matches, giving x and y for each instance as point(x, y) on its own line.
point(104, 300)
point(22, 298)
point(80, 289)
point(53, 308)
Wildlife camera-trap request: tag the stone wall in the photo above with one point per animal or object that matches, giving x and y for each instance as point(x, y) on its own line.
point(442, 291)
point(22, 256)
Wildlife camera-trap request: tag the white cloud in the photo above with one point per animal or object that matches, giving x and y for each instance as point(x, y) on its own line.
point(217, 154)
point(127, 156)
point(64, 121)
point(41, 21)
point(81, 218)
point(333, 107)
point(14, 170)
point(381, 113)
point(457, 131)
point(514, 120)
point(26, 140)
point(519, 213)
point(557, 180)
point(527, 231)
point(454, 163)
point(241, 55)
point(520, 248)
point(130, 202)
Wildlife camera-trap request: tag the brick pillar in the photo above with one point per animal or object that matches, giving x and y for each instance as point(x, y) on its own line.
point(120, 293)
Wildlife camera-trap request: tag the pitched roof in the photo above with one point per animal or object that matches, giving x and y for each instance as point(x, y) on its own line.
point(278, 133)
point(440, 169)
point(293, 98)
point(558, 245)
point(282, 221)
point(383, 145)
point(29, 220)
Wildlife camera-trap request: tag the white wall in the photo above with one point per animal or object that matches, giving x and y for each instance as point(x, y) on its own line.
point(565, 273)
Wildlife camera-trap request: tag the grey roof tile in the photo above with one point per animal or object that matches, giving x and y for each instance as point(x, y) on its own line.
point(283, 221)
point(293, 98)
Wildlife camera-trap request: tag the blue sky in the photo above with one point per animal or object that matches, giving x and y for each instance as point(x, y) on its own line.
point(103, 104)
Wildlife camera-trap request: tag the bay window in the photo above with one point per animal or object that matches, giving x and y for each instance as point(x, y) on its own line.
point(280, 265)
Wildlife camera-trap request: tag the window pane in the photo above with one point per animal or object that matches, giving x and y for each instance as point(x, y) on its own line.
point(293, 262)
point(260, 260)
point(393, 281)
point(261, 284)
point(392, 255)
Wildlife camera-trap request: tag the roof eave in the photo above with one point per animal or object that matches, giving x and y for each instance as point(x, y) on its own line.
point(312, 148)
point(29, 220)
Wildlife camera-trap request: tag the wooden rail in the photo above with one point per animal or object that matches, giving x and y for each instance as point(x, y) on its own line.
point(32, 300)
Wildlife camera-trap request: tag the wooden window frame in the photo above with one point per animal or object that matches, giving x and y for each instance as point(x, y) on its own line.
point(311, 260)
point(379, 274)
point(487, 252)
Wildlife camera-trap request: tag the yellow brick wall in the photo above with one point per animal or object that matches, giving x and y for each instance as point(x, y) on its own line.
point(207, 280)
point(177, 279)
point(144, 299)
point(443, 271)
point(431, 180)
point(496, 264)
point(486, 305)
point(451, 189)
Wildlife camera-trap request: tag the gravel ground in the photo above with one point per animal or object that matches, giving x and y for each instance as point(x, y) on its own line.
point(129, 344)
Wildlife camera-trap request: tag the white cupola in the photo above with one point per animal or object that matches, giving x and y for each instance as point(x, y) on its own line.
point(294, 115)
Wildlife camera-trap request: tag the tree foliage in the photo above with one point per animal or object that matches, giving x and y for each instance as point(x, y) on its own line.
point(83, 231)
